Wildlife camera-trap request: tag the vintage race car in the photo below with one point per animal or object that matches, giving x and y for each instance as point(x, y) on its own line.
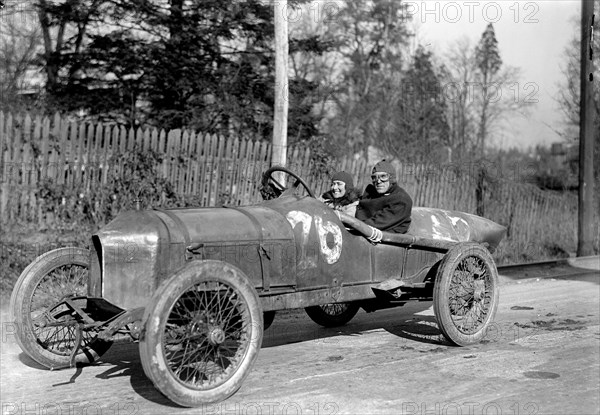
point(196, 287)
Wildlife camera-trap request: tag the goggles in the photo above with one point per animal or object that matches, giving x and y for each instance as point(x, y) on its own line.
point(381, 177)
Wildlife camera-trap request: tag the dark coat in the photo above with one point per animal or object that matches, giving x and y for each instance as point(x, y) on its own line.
point(388, 212)
point(346, 203)
point(351, 196)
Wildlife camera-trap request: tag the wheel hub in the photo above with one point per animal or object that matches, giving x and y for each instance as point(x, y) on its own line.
point(479, 292)
point(216, 335)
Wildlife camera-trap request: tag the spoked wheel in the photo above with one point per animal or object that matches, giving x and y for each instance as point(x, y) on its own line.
point(465, 296)
point(271, 188)
point(332, 315)
point(203, 331)
point(47, 335)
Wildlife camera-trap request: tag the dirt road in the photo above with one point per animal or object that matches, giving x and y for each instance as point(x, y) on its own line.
point(541, 357)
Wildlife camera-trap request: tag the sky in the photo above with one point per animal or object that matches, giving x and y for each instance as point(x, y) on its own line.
point(531, 35)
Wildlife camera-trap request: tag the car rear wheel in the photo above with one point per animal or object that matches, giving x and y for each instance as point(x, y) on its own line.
point(465, 296)
point(332, 315)
point(203, 331)
point(50, 336)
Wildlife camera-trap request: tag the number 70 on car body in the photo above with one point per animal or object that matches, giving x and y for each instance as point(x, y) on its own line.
point(331, 251)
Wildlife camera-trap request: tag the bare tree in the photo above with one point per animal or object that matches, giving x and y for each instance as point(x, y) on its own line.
point(569, 95)
point(370, 42)
point(478, 103)
point(458, 74)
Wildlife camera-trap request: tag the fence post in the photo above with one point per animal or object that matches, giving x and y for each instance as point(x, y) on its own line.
point(480, 191)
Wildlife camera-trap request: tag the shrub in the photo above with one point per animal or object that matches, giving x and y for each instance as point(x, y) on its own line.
point(133, 178)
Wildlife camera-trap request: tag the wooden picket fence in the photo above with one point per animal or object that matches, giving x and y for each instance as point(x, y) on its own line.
point(212, 168)
point(216, 170)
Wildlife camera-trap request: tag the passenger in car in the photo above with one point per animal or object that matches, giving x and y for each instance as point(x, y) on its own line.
point(385, 205)
point(342, 196)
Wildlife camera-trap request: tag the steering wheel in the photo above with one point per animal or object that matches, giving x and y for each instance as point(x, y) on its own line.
point(271, 188)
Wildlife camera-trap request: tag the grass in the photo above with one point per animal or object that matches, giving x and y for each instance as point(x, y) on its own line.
point(20, 245)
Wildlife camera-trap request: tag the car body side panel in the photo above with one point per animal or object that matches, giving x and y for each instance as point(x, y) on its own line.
point(417, 264)
point(388, 261)
point(399, 263)
point(278, 245)
point(250, 237)
point(326, 253)
point(356, 262)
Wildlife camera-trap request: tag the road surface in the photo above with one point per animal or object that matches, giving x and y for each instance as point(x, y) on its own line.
point(542, 356)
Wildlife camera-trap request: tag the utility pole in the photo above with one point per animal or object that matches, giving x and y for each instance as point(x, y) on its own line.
point(585, 234)
point(279, 153)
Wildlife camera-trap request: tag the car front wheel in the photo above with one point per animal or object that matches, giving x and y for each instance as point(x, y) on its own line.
point(203, 331)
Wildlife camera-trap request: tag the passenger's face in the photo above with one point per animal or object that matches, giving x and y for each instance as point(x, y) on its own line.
point(381, 181)
point(338, 188)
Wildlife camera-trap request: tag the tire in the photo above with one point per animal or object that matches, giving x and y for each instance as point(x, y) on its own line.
point(333, 314)
point(50, 277)
point(268, 317)
point(211, 309)
point(465, 296)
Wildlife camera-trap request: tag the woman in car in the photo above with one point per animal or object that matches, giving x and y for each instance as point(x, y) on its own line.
point(342, 196)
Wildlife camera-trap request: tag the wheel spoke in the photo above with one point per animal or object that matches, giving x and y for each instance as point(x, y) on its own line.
point(469, 294)
point(198, 357)
point(66, 280)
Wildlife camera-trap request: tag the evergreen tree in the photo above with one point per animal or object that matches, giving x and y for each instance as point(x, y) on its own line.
point(487, 57)
point(203, 64)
